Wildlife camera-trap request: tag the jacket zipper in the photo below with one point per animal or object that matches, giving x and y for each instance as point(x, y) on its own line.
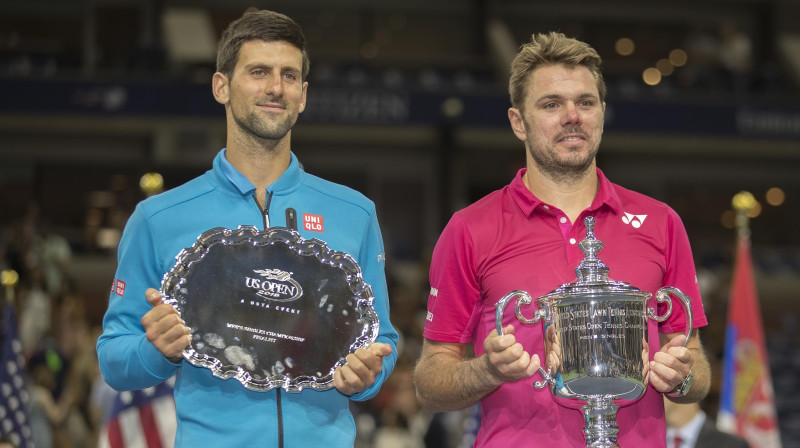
point(280, 416)
point(279, 408)
point(265, 210)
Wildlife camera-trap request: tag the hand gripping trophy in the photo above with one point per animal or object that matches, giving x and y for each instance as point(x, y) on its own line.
point(597, 330)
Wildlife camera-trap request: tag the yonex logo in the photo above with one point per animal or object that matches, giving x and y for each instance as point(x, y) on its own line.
point(635, 220)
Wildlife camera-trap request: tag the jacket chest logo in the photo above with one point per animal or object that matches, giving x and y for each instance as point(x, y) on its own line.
point(634, 220)
point(313, 223)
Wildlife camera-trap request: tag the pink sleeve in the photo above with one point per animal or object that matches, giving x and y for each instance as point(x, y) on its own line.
point(455, 291)
point(681, 274)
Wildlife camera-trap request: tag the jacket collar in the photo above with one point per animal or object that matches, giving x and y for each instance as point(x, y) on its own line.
point(229, 178)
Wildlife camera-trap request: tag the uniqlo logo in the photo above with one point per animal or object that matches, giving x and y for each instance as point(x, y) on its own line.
point(119, 288)
point(313, 222)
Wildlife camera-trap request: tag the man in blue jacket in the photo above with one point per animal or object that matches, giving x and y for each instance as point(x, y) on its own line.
point(256, 180)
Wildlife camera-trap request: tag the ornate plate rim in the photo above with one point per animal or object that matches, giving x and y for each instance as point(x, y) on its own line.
point(251, 235)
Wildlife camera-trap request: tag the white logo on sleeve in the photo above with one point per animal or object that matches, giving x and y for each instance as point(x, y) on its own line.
point(635, 220)
point(434, 292)
point(429, 317)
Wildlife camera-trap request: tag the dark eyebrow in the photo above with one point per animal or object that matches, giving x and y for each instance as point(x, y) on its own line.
point(261, 65)
point(551, 97)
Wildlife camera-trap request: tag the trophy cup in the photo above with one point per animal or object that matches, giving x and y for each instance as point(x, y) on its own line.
point(270, 308)
point(597, 329)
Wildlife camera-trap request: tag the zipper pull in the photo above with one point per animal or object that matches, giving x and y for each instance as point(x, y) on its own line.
point(265, 210)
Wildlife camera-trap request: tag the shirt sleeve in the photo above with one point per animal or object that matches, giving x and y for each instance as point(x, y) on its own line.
point(681, 274)
point(372, 260)
point(128, 361)
point(455, 289)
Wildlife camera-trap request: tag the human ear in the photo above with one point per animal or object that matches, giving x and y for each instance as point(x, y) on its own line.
point(517, 123)
point(220, 88)
point(303, 97)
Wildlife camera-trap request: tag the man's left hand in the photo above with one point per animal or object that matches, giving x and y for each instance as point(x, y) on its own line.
point(361, 368)
point(670, 365)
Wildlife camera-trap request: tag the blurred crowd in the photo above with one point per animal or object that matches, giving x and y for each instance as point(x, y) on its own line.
point(57, 339)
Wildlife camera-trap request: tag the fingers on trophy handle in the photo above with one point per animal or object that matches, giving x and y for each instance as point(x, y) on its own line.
point(524, 299)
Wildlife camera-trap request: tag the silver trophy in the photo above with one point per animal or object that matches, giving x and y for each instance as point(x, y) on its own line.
point(597, 330)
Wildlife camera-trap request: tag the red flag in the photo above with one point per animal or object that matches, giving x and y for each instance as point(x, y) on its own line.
point(747, 404)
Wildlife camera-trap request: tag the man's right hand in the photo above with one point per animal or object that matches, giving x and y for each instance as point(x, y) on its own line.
point(506, 359)
point(164, 327)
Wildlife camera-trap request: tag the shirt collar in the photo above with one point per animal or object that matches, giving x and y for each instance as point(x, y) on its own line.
point(528, 202)
point(288, 179)
point(238, 179)
point(688, 432)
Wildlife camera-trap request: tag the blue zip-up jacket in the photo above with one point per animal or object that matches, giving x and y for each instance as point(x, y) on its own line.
point(212, 412)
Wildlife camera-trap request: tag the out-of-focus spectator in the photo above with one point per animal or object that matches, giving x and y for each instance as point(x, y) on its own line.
point(48, 408)
point(35, 313)
point(689, 427)
point(54, 254)
point(76, 342)
point(403, 422)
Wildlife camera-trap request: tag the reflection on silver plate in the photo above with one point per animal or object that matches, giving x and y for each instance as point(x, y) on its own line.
point(270, 308)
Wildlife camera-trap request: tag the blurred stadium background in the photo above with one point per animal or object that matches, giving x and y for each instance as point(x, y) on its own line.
point(107, 101)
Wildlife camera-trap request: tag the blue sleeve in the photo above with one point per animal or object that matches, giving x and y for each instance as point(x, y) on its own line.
point(372, 260)
point(128, 361)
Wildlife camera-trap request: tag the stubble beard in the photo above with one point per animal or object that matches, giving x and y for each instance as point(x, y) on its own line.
point(562, 169)
point(257, 126)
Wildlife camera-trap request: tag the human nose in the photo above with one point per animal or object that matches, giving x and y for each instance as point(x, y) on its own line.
point(275, 85)
point(571, 115)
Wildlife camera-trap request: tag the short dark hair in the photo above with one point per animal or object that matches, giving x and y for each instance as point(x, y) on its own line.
point(264, 25)
point(547, 49)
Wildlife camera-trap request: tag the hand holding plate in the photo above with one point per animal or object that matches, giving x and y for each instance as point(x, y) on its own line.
point(164, 327)
point(361, 369)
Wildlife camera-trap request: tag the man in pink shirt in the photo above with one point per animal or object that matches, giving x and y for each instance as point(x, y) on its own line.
point(525, 237)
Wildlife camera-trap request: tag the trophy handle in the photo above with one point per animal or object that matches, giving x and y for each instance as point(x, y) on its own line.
point(524, 299)
point(663, 296)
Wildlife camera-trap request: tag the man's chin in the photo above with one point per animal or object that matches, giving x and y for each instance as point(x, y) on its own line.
point(273, 133)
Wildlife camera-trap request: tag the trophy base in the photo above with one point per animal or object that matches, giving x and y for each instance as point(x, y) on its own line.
point(600, 415)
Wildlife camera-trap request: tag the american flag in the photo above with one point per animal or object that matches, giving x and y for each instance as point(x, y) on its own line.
point(14, 401)
point(141, 419)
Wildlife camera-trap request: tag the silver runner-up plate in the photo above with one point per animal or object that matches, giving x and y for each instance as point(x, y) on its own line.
point(270, 308)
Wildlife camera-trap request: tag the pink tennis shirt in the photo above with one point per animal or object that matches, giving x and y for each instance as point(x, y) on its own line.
point(511, 240)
